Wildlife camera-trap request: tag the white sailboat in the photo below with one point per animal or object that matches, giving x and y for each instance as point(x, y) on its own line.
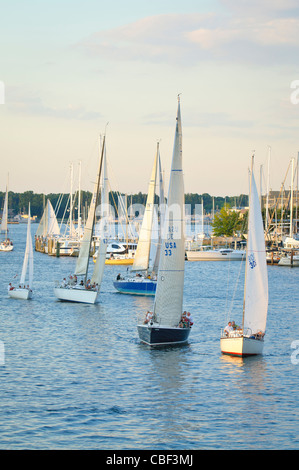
point(6, 244)
point(164, 326)
point(249, 340)
point(87, 290)
point(145, 283)
point(24, 291)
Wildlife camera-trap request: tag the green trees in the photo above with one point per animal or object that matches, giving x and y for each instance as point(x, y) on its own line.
point(227, 223)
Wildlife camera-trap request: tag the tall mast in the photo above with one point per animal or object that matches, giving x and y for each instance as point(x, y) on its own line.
point(97, 196)
point(252, 160)
point(268, 183)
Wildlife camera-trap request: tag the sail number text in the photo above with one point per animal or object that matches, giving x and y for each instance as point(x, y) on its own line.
point(169, 244)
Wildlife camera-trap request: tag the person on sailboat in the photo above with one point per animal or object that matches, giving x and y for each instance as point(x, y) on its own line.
point(228, 328)
point(148, 317)
point(189, 319)
point(10, 287)
point(235, 327)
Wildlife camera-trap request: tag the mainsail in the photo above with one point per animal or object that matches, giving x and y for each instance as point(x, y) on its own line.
point(170, 283)
point(256, 284)
point(48, 224)
point(141, 260)
point(84, 253)
point(28, 258)
point(3, 227)
point(98, 271)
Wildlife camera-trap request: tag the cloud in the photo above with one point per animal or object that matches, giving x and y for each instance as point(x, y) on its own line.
point(261, 32)
point(28, 102)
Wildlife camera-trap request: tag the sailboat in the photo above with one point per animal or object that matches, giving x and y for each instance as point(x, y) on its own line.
point(249, 340)
point(47, 230)
point(164, 325)
point(145, 283)
point(24, 291)
point(6, 244)
point(87, 290)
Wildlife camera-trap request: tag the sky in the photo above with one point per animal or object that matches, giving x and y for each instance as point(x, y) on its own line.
point(71, 71)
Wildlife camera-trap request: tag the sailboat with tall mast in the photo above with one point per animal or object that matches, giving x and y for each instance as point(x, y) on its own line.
point(144, 282)
point(6, 244)
point(164, 325)
point(249, 339)
point(24, 291)
point(87, 290)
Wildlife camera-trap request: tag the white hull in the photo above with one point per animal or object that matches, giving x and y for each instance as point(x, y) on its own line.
point(216, 255)
point(287, 261)
point(4, 247)
point(76, 294)
point(23, 294)
point(241, 346)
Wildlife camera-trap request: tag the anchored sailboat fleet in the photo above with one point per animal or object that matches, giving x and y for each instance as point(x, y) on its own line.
point(159, 263)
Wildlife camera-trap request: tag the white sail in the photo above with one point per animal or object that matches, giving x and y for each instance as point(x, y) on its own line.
point(98, 271)
point(48, 224)
point(170, 283)
point(84, 252)
point(162, 217)
point(5, 213)
point(256, 284)
point(28, 258)
point(141, 260)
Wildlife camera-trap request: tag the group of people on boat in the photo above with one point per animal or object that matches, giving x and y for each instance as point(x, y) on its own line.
point(10, 287)
point(6, 244)
point(72, 282)
point(186, 320)
point(231, 327)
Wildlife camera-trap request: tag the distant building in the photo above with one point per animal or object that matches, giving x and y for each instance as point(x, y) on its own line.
point(280, 199)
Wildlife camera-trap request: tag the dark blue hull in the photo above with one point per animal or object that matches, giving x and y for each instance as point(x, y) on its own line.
point(154, 335)
point(144, 287)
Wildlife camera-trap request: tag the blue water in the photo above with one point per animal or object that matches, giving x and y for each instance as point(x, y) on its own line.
point(76, 376)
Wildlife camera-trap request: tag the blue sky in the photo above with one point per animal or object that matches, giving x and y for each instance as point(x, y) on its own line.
point(70, 67)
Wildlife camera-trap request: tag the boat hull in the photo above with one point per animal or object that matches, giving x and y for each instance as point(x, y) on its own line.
point(215, 255)
point(241, 346)
point(6, 247)
point(161, 335)
point(120, 261)
point(76, 295)
point(23, 294)
point(143, 287)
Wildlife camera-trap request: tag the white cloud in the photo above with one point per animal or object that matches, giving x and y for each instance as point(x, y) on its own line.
point(191, 38)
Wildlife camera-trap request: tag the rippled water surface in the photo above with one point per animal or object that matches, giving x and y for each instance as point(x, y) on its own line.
point(76, 376)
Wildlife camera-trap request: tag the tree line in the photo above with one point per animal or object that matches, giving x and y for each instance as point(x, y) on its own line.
point(18, 202)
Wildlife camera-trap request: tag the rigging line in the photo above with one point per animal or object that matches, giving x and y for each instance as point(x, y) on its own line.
point(236, 285)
